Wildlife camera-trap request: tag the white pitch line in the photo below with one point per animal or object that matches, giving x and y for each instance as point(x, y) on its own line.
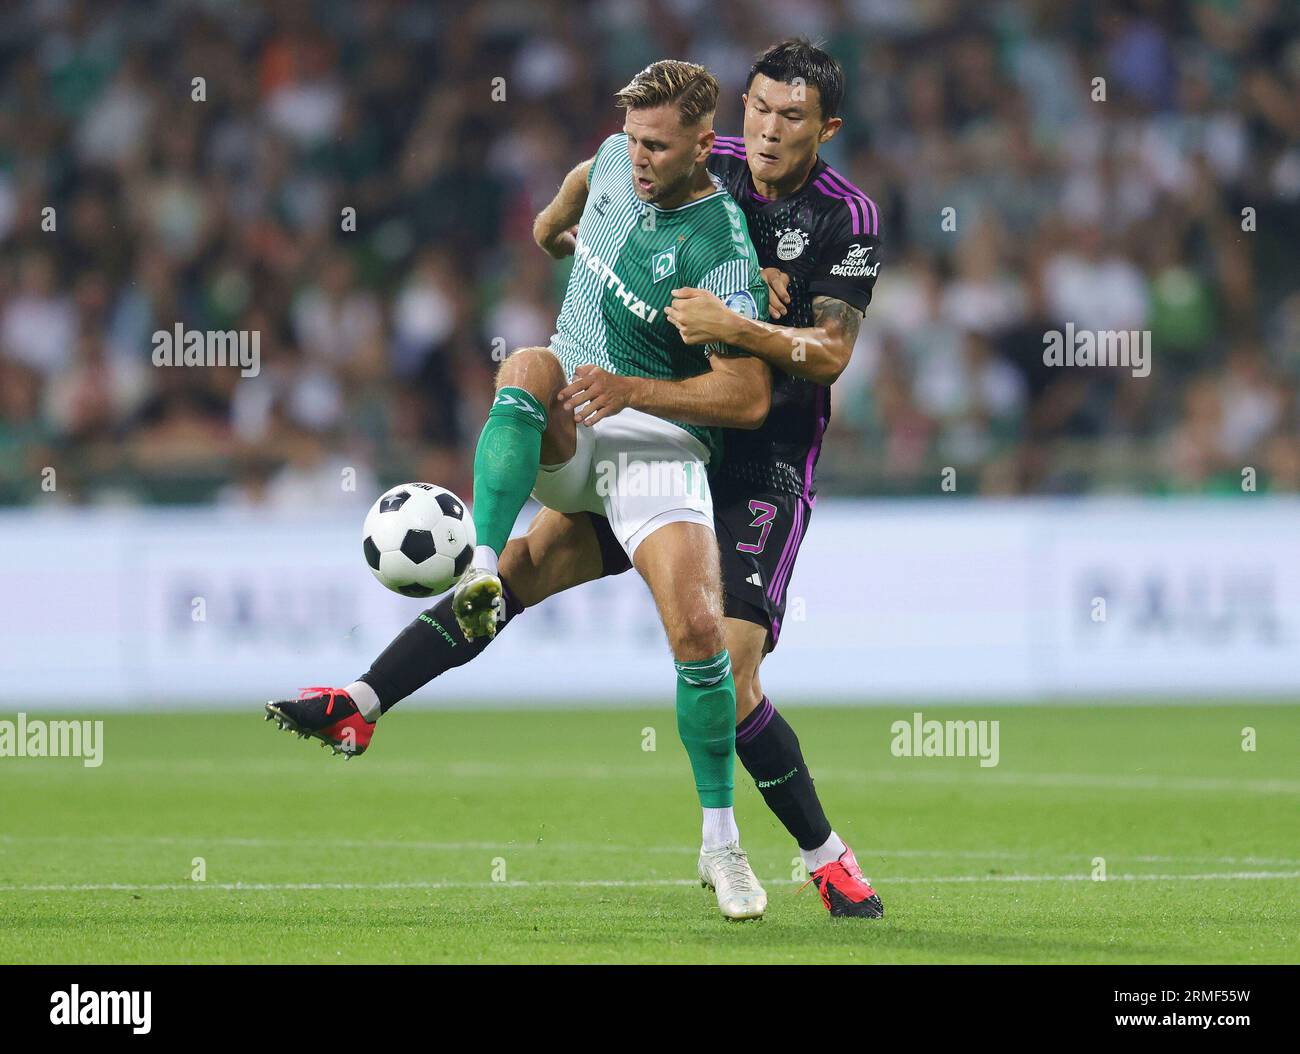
point(874, 852)
point(256, 887)
point(354, 843)
point(983, 779)
point(253, 887)
point(905, 771)
point(1222, 876)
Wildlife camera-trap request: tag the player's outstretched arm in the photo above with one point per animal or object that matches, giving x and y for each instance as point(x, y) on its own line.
point(552, 230)
point(735, 392)
point(817, 353)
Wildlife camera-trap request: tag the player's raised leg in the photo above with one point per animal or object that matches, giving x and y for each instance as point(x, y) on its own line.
point(769, 749)
point(519, 435)
point(679, 562)
point(559, 551)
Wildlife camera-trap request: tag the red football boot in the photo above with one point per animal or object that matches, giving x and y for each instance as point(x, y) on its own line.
point(327, 714)
point(845, 892)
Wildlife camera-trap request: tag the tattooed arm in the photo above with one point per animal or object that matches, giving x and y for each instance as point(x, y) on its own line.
point(818, 353)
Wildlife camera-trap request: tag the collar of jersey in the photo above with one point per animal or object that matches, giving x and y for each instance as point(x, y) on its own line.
point(718, 188)
point(814, 173)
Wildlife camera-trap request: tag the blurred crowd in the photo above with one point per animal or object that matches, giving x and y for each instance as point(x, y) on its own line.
point(356, 181)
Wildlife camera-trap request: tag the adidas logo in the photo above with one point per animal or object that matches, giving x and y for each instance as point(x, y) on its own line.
point(754, 580)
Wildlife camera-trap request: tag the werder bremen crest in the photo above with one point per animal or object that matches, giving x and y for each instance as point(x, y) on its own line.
point(664, 264)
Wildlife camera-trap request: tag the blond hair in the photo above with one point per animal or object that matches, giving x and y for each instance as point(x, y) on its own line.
point(693, 88)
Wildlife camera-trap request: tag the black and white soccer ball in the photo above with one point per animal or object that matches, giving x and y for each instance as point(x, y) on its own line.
point(418, 539)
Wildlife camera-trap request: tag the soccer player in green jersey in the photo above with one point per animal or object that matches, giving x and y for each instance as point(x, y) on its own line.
point(809, 222)
point(649, 219)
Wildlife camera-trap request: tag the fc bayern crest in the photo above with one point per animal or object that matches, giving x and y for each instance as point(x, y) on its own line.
point(791, 244)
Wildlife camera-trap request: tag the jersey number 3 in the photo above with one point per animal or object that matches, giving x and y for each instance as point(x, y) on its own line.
point(764, 514)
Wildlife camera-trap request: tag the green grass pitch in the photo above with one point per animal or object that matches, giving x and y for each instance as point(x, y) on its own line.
point(553, 836)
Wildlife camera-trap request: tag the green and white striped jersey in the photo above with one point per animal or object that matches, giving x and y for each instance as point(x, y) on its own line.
point(630, 256)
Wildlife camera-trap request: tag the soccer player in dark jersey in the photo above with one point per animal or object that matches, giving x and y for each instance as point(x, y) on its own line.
point(822, 234)
point(817, 238)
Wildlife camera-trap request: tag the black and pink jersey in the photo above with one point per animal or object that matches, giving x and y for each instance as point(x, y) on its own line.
point(825, 236)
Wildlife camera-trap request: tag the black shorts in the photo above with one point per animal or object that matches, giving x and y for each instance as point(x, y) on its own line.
point(759, 534)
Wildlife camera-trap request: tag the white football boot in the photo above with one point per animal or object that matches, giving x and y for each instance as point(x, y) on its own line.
point(726, 871)
point(478, 604)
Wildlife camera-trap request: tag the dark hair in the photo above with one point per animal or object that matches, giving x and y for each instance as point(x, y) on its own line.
point(799, 59)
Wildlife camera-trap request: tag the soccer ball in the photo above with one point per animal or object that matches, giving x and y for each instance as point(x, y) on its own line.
point(418, 539)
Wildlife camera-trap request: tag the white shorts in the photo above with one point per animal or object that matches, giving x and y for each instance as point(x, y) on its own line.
point(638, 471)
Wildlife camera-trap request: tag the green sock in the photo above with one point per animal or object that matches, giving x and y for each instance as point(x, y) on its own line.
point(706, 722)
point(505, 464)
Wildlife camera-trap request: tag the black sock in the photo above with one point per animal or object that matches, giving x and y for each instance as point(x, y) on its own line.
point(769, 750)
point(428, 647)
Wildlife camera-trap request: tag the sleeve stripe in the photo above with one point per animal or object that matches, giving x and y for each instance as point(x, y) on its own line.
point(834, 185)
point(853, 206)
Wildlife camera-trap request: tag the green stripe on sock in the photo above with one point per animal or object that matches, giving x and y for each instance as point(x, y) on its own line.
point(706, 723)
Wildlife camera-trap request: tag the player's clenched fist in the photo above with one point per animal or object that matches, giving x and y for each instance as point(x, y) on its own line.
point(595, 394)
point(700, 317)
point(562, 244)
